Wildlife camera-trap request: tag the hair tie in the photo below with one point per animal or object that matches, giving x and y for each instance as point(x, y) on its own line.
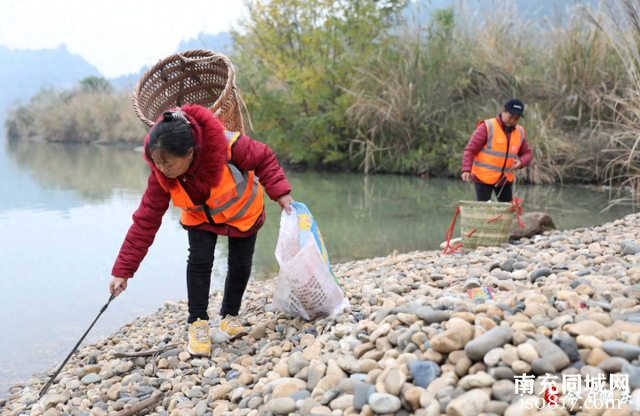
point(174, 116)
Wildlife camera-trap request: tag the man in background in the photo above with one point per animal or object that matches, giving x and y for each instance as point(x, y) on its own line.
point(496, 149)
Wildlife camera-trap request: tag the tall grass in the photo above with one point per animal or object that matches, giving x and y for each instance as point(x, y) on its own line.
point(413, 90)
point(417, 104)
point(85, 114)
point(619, 22)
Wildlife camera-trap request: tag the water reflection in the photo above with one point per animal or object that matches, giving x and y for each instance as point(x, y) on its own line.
point(67, 209)
point(95, 173)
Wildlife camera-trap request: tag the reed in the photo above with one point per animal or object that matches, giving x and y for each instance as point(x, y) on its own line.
point(619, 22)
point(414, 88)
point(416, 105)
point(85, 114)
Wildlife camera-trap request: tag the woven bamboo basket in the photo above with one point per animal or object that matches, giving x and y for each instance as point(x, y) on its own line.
point(197, 76)
point(475, 215)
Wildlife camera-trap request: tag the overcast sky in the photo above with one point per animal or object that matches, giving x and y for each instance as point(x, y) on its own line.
point(116, 36)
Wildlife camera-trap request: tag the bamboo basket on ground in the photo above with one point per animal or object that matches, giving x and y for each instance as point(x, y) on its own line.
point(196, 76)
point(491, 221)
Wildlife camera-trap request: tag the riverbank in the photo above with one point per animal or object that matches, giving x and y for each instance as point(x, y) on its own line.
point(412, 342)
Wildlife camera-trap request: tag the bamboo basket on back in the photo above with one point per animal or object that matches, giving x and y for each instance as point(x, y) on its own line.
point(490, 220)
point(196, 76)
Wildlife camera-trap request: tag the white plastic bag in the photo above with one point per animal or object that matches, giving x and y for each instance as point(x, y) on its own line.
point(306, 284)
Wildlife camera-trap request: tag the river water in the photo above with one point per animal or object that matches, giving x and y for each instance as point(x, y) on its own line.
point(65, 209)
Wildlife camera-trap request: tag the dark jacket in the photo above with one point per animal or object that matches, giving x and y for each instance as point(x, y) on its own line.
point(205, 172)
point(479, 140)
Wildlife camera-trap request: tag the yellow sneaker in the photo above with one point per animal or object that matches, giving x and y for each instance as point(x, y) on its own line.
point(231, 326)
point(199, 342)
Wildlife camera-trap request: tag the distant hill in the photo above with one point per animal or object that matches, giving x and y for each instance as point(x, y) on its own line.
point(24, 72)
point(220, 43)
point(128, 82)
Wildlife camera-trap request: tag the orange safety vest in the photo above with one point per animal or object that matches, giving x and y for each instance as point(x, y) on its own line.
point(494, 159)
point(237, 201)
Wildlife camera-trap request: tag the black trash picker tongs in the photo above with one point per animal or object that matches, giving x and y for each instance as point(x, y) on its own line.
point(51, 380)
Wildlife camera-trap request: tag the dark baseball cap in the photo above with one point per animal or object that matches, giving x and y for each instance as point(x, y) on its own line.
point(515, 107)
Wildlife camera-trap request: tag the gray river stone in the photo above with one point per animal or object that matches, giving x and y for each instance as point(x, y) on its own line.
point(424, 373)
point(472, 283)
point(520, 265)
point(508, 265)
point(552, 354)
point(604, 305)
point(360, 395)
point(432, 317)
point(634, 375)
point(540, 366)
point(578, 282)
point(91, 378)
point(494, 338)
point(630, 249)
point(569, 346)
point(500, 274)
point(612, 365)
point(296, 366)
point(621, 349)
point(538, 273)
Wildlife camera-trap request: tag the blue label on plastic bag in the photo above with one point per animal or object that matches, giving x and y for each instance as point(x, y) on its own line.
point(309, 228)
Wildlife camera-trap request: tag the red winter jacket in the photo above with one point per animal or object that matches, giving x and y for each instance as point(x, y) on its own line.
point(479, 140)
point(205, 171)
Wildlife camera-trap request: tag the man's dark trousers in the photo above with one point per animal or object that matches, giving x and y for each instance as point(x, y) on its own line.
point(484, 191)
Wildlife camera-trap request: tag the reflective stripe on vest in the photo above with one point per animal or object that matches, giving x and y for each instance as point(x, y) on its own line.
point(231, 138)
point(231, 202)
point(494, 159)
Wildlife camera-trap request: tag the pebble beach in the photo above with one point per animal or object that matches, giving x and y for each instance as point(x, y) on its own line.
point(413, 342)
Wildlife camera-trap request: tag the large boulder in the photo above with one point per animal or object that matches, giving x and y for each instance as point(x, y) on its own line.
point(534, 223)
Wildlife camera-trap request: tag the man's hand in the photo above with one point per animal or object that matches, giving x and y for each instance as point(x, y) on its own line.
point(517, 164)
point(120, 283)
point(285, 203)
point(466, 176)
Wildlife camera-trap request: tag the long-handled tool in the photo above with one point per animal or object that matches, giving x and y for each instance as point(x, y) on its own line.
point(104, 308)
point(506, 174)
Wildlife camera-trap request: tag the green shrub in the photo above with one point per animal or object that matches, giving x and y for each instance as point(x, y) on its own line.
point(295, 57)
point(89, 113)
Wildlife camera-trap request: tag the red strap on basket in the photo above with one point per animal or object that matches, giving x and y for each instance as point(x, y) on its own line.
point(448, 249)
point(496, 218)
point(472, 231)
point(515, 206)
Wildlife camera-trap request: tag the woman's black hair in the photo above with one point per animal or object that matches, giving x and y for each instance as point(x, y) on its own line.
point(170, 136)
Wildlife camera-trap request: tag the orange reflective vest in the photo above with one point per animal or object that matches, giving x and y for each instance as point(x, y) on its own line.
point(494, 160)
point(237, 201)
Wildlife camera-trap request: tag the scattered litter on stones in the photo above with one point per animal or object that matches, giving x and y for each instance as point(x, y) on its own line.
point(412, 342)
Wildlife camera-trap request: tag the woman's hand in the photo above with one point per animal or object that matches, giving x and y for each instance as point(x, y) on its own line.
point(285, 203)
point(120, 283)
point(466, 176)
point(517, 164)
